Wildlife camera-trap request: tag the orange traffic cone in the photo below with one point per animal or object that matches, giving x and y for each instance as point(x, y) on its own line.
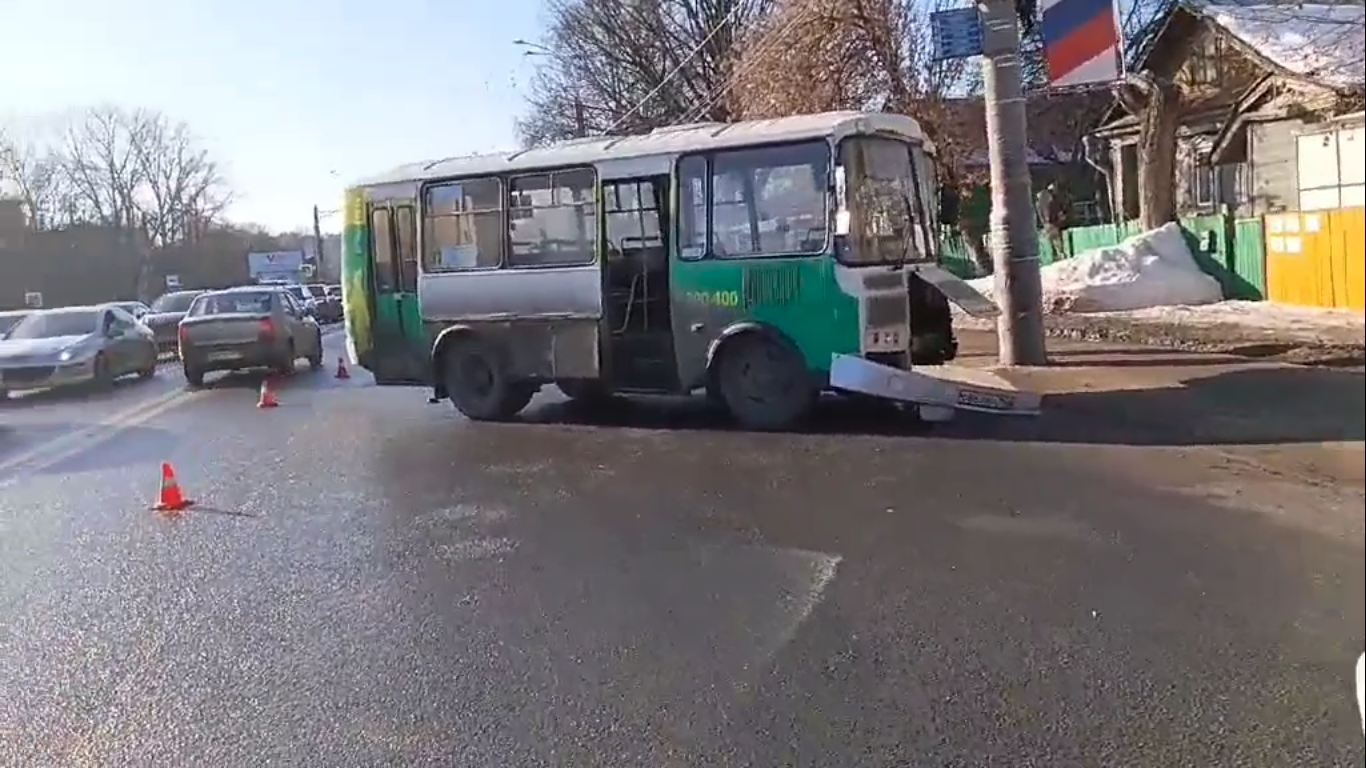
point(267, 398)
point(342, 373)
point(170, 499)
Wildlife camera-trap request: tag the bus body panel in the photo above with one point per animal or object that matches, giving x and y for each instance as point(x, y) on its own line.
point(798, 296)
point(546, 319)
point(358, 304)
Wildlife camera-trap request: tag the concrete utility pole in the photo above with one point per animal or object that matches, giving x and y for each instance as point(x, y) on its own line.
point(1014, 229)
point(317, 243)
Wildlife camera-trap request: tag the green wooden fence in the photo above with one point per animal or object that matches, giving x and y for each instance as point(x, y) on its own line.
point(1230, 250)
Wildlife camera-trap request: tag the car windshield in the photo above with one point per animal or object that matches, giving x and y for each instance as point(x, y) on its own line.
point(51, 325)
point(9, 321)
point(298, 292)
point(174, 302)
point(318, 291)
point(232, 304)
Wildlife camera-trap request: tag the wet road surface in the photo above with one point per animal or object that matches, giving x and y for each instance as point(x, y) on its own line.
point(370, 580)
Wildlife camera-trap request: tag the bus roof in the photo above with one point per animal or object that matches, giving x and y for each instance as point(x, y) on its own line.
point(670, 140)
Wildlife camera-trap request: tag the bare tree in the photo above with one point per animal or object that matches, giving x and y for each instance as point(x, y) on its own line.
point(102, 167)
point(1158, 103)
point(32, 171)
point(623, 66)
point(819, 55)
point(181, 191)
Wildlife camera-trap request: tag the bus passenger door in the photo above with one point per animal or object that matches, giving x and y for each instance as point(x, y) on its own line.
point(401, 344)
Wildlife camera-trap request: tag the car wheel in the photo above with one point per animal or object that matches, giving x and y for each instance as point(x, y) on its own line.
point(286, 364)
point(194, 377)
point(315, 360)
point(102, 377)
point(151, 369)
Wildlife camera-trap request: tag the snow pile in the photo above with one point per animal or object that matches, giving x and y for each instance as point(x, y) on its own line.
point(1279, 321)
point(1152, 269)
point(1320, 41)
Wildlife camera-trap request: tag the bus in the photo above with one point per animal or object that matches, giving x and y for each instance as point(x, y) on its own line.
point(760, 262)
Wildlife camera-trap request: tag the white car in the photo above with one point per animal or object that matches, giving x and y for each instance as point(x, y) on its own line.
point(305, 299)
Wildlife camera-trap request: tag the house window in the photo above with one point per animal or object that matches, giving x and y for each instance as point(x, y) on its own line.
point(1211, 186)
point(1204, 185)
point(1203, 66)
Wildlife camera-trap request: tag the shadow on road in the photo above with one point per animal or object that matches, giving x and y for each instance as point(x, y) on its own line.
point(1240, 406)
point(1237, 406)
point(85, 393)
point(833, 416)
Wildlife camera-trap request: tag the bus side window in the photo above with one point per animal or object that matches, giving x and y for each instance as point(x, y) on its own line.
point(382, 249)
point(405, 237)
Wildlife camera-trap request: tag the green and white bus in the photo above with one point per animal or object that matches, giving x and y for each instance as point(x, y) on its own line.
point(762, 262)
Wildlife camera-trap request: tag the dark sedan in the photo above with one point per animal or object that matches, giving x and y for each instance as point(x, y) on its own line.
point(165, 316)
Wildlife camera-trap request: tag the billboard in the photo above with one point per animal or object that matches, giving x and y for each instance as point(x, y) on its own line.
point(276, 265)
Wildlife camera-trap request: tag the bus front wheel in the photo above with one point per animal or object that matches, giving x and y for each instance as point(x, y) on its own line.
point(764, 382)
point(478, 384)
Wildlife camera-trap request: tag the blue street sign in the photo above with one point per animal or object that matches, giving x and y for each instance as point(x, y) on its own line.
point(956, 33)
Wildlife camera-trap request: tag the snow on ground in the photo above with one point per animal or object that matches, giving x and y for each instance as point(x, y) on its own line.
point(1283, 322)
point(1151, 269)
point(1151, 280)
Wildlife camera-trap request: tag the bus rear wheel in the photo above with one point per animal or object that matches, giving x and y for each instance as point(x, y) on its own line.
point(478, 383)
point(764, 383)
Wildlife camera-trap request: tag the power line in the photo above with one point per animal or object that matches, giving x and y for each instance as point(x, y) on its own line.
point(729, 17)
point(775, 41)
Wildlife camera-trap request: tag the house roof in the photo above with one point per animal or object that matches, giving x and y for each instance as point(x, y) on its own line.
point(1319, 43)
point(1323, 43)
point(1055, 122)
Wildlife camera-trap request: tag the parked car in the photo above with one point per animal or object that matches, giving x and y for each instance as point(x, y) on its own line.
point(9, 319)
point(165, 316)
point(74, 345)
point(328, 308)
point(248, 327)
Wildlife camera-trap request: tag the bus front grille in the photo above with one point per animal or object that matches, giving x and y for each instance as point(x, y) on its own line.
point(886, 310)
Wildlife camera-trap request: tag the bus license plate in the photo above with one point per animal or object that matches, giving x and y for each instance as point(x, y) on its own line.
point(991, 400)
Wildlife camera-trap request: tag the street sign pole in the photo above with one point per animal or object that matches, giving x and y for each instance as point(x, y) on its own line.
point(990, 30)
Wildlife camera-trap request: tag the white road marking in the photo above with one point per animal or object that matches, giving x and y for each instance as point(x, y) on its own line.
point(71, 444)
point(814, 571)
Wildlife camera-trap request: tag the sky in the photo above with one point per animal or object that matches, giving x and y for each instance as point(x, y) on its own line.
point(293, 98)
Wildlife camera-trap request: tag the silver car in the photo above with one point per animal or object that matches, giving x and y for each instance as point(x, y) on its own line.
point(248, 327)
point(10, 319)
point(74, 345)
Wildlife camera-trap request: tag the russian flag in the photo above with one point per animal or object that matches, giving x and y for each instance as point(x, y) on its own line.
point(1081, 41)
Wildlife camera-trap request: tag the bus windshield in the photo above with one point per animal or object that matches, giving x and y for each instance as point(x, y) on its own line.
point(883, 199)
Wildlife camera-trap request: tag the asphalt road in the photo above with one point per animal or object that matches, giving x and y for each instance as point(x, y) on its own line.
point(370, 580)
